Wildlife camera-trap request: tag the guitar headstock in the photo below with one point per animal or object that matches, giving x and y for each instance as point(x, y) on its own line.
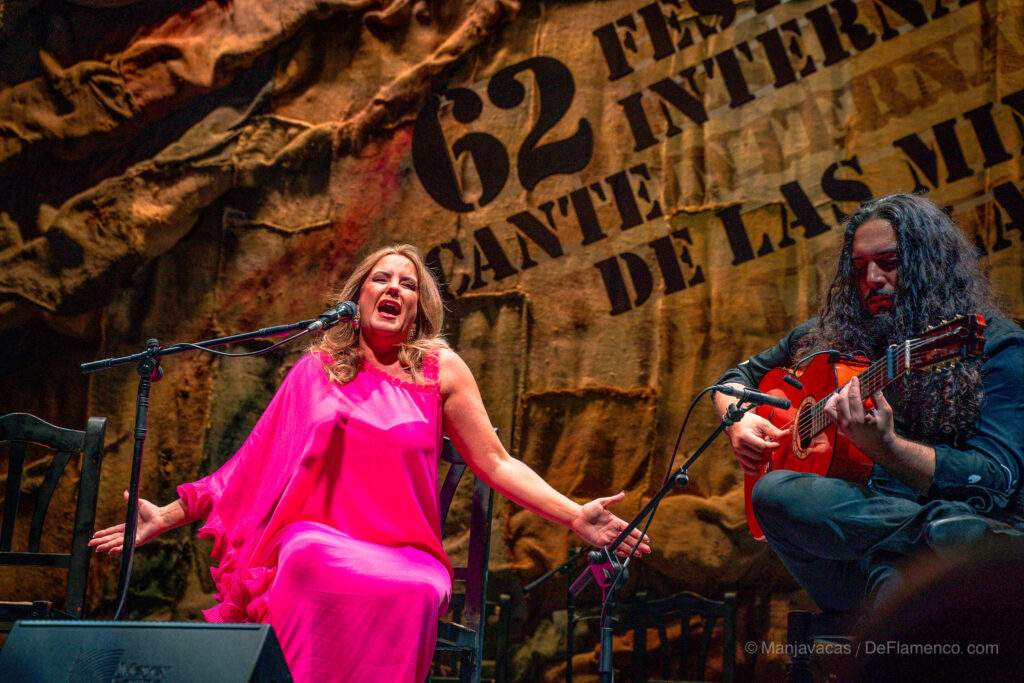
point(960, 338)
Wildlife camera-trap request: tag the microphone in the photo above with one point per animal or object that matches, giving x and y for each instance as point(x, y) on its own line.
point(332, 316)
point(751, 396)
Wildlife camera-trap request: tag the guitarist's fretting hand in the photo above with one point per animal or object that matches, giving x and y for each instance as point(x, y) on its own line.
point(871, 431)
point(873, 434)
point(752, 438)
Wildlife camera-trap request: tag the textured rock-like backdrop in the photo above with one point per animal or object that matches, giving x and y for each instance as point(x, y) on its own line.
point(623, 198)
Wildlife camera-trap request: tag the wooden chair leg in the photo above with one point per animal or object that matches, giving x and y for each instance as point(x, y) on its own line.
point(467, 668)
point(504, 626)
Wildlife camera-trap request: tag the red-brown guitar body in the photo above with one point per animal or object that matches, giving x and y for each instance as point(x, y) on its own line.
point(824, 453)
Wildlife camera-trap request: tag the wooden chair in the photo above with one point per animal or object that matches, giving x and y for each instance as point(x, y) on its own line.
point(682, 607)
point(19, 430)
point(464, 635)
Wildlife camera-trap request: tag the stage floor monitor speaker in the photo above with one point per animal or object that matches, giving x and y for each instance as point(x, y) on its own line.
point(150, 651)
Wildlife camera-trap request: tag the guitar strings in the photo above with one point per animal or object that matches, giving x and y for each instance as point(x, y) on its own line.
point(874, 374)
point(873, 378)
point(819, 420)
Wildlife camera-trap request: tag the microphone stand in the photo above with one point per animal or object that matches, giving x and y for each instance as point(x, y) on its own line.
point(149, 370)
point(610, 572)
point(563, 568)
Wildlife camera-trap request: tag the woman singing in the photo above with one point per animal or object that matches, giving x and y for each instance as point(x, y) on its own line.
point(326, 520)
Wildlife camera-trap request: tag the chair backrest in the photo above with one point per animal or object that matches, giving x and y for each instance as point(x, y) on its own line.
point(474, 573)
point(682, 607)
point(19, 430)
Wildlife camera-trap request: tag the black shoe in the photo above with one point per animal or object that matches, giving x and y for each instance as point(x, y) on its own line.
point(950, 537)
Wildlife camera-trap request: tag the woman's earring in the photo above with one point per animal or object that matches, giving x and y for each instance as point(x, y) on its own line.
point(355, 322)
point(412, 331)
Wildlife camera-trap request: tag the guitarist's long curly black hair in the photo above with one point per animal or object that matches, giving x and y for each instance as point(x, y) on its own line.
point(938, 278)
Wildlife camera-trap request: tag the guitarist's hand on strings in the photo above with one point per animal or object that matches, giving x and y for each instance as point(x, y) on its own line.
point(752, 438)
point(869, 429)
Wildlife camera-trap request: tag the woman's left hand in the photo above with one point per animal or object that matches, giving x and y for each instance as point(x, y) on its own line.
point(599, 527)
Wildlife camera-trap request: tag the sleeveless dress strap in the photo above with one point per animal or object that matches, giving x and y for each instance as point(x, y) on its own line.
point(431, 368)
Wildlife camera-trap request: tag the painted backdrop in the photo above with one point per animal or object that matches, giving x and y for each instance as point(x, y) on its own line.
point(623, 198)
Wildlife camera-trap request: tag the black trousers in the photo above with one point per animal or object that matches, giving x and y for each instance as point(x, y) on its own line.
point(846, 544)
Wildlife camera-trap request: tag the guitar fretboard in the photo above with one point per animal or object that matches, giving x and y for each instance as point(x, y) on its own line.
point(898, 359)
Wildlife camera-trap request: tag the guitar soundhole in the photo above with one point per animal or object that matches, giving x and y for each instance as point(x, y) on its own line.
point(803, 435)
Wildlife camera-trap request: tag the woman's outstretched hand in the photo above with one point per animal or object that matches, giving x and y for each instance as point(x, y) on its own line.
point(150, 525)
point(599, 527)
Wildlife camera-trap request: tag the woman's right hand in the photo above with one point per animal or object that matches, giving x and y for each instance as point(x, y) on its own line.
point(150, 525)
point(753, 439)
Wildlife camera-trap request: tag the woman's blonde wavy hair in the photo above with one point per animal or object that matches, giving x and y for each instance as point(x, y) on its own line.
point(341, 342)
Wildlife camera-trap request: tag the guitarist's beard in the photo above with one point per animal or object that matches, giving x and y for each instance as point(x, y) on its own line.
point(879, 332)
point(870, 337)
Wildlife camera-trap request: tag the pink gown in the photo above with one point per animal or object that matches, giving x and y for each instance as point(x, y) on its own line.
point(326, 525)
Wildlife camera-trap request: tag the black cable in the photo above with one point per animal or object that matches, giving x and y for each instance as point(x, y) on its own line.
point(682, 428)
point(840, 356)
point(257, 352)
point(668, 474)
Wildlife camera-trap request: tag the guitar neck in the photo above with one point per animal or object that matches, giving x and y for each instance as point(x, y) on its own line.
point(960, 338)
point(875, 377)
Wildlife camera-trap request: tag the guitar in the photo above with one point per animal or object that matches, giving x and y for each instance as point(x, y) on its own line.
point(814, 445)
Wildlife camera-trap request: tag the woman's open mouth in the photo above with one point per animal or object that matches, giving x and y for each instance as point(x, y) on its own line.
point(389, 308)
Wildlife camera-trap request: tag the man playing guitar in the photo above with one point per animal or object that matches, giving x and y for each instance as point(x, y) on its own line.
point(944, 450)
